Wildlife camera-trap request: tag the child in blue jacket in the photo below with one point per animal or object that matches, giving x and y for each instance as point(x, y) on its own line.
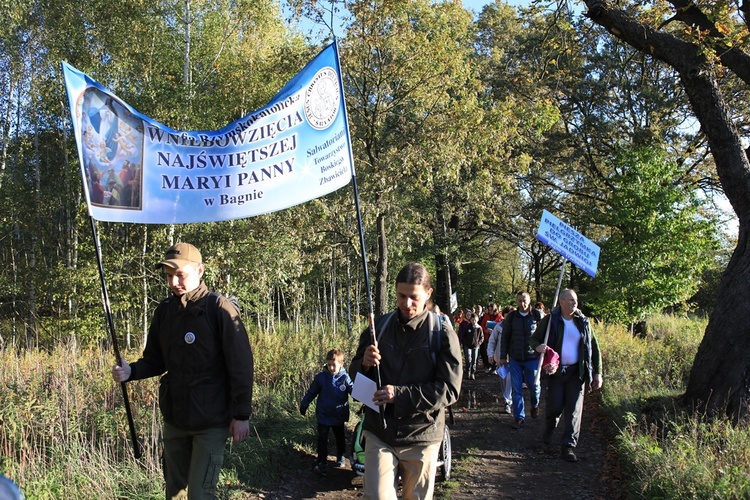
point(332, 386)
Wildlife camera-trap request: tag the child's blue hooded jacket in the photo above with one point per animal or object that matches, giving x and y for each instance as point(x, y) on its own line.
point(333, 397)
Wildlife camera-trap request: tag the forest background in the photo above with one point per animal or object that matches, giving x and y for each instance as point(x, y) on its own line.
point(464, 128)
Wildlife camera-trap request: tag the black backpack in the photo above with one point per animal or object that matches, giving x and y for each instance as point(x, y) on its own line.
point(212, 308)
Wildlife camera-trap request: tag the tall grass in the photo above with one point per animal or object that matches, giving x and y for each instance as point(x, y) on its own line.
point(64, 434)
point(667, 450)
point(63, 431)
point(638, 368)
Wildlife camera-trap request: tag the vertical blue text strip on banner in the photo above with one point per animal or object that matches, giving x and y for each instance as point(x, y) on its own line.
point(569, 243)
point(135, 169)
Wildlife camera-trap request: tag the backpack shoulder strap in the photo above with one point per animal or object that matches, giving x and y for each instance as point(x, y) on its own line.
point(382, 323)
point(436, 334)
point(436, 343)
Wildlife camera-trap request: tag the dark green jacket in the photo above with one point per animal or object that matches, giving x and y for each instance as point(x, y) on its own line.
point(423, 388)
point(589, 356)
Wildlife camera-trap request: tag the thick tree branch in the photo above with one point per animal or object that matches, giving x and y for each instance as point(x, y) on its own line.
point(701, 86)
point(731, 56)
point(681, 55)
point(745, 9)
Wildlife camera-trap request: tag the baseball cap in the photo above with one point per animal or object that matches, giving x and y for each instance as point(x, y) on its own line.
point(180, 255)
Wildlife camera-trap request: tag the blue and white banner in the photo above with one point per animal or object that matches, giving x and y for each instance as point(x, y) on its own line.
point(569, 243)
point(135, 169)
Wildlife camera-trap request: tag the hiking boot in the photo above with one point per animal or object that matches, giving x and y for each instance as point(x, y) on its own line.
point(320, 468)
point(535, 412)
point(341, 461)
point(506, 410)
point(518, 424)
point(568, 454)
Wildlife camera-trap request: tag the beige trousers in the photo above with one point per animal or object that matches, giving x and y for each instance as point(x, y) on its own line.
point(417, 465)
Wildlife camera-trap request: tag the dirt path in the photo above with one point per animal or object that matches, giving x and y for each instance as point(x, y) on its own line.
point(493, 461)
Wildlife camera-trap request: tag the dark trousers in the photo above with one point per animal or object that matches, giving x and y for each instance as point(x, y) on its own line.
point(338, 433)
point(486, 361)
point(565, 399)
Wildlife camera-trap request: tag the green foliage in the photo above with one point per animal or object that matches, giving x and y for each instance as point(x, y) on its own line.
point(60, 405)
point(667, 450)
point(491, 269)
point(707, 296)
point(660, 363)
point(418, 119)
point(462, 130)
point(684, 456)
point(659, 238)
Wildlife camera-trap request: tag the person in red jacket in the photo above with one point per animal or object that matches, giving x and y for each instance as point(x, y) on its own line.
point(458, 318)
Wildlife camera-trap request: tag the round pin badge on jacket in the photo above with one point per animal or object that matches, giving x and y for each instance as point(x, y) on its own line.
point(189, 337)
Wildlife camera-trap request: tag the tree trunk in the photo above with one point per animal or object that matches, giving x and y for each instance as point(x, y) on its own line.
point(5, 132)
point(334, 293)
point(186, 75)
point(32, 329)
point(442, 293)
point(381, 270)
point(443, 284)
point(349, 329)
point(719, 382)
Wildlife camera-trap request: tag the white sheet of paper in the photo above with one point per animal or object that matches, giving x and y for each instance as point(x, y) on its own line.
point(363, 391)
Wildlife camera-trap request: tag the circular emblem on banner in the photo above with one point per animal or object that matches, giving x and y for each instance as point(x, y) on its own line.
point(189, 337)
point(322, 99)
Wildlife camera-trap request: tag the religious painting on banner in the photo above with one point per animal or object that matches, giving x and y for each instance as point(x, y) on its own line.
point(135, 169)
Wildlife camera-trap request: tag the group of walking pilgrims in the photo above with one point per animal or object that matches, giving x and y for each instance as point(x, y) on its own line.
point(519, 341)
point(198, 346)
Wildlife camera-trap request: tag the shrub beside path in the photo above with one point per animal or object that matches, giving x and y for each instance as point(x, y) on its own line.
point(493, 461)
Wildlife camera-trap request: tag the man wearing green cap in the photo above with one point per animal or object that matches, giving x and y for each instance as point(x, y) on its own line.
point(197, 342)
